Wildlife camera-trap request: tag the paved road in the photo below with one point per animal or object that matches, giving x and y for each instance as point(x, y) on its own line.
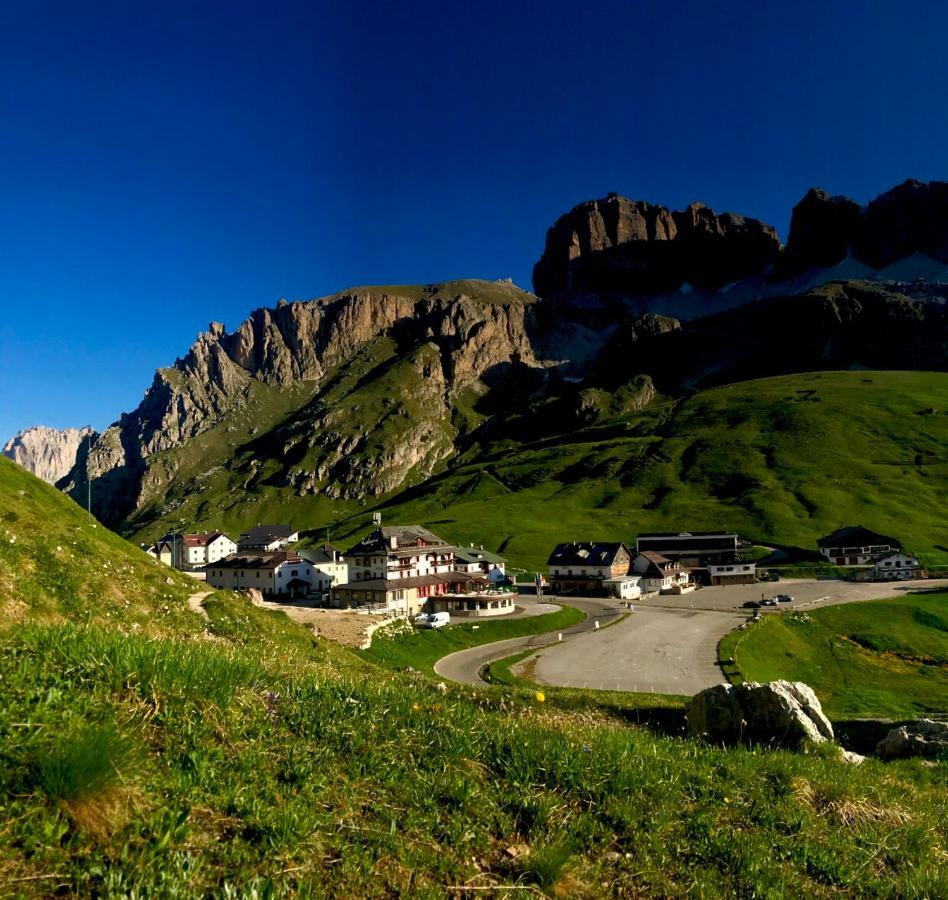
point(669, 644)
point(465, 665)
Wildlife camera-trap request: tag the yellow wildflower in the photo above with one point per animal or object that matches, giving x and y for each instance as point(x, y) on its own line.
point(540, 696)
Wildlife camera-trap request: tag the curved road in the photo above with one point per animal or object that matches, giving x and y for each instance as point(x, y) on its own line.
point(465, 665)
point(667, 646)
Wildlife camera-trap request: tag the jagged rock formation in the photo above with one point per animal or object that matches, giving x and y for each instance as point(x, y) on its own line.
point(375, 390)
point(911, 218)
point(621, 246)
point(451, 335)
point(49, 453)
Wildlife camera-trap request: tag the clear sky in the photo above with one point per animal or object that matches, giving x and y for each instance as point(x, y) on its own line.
point(167, 164)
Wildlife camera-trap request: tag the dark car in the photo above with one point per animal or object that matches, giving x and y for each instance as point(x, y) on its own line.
point(770, 601)
point(751, 604)
point(784, 598)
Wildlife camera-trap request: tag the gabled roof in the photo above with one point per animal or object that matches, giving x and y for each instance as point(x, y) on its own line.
point(203, 538)
point(586, 553)
point(267, 533)
point(326, 553)
point(268, 561)
point(892, 553)
point(477, 554)
point(856, 536)
point(406, 539)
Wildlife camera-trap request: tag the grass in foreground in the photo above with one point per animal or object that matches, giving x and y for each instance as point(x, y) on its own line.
point(875, 658)
point(421, 649)
point(301, 775)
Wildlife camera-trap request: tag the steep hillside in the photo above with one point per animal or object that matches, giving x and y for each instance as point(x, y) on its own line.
point(141, 757)
point(57, 563)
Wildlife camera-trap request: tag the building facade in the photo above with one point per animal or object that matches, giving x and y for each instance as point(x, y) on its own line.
point(275, 574)
point(694, 548)
point(478, 561)
point(659, 574)
point(734, 573)
point(583, 567)
point(855, 545)
point(206, 547)
point(330, 567)
point(896, 566)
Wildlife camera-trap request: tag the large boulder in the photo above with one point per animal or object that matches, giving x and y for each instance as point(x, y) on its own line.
point(778, 713)
point(923, 737)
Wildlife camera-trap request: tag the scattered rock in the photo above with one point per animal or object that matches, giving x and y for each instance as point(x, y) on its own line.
point(517, 851)
point(780, 713)
point(848, 756)
point(923, 737)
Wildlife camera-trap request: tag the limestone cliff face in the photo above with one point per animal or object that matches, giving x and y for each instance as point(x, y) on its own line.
point(621, 246)
point(454, 334)
point(49, 453)
point(911, 218)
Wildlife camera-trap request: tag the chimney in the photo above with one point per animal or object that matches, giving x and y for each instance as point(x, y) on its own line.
point(393, 541)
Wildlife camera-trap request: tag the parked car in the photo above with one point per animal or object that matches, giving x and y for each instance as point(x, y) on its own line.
point(770, 601)
point(751, 604)
point(784, 598)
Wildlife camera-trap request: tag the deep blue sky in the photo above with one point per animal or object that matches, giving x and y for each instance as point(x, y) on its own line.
point(164, 164)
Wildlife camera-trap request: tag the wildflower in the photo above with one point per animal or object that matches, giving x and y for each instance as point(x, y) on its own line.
point(540, 696)
point(587, 748)
point(415, 707)
point(727, 799)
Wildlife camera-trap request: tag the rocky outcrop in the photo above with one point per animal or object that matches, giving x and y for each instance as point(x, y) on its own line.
point(778, 713)
point(630, 247)
point(911, 218)
point(49, 453)
point(459, 333)
point(924, 737)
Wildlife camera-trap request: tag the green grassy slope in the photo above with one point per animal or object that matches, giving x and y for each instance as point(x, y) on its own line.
point(57, 563)
point(783, 460)
point(258, 761)
point(879, 658)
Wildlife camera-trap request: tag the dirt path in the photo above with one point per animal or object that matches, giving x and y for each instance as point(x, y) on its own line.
point(196, 603)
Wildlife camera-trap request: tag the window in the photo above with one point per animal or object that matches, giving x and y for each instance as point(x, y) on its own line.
point(295, 572)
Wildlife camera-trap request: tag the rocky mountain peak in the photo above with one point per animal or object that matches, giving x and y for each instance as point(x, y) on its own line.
point(910, 218)
point(620, 246)
point(49, 453)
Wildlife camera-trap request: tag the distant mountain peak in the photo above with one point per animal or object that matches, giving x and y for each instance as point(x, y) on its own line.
point(49, 453)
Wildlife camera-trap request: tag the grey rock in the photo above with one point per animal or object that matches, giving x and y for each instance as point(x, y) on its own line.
point(923, 737)
point(779, 713)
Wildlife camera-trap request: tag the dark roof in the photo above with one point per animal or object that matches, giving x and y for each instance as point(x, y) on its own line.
point(892, 553)
point(322, 554)
point(477, 554)
point(856, 536)
point(687, 534)
point(585, 553)
point(298, 582)
point(265, 534)
point(408, 539)
point(256, 560)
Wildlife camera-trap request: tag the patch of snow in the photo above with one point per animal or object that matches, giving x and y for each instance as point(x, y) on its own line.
point(918, 265)
point(685, 288)
point(729, 286)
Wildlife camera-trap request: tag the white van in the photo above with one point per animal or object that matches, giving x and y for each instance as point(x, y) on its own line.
point(438, 619)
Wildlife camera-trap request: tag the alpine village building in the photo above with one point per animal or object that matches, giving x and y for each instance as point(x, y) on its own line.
point(277, 573)
point(855, 545)
point(405, 569)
